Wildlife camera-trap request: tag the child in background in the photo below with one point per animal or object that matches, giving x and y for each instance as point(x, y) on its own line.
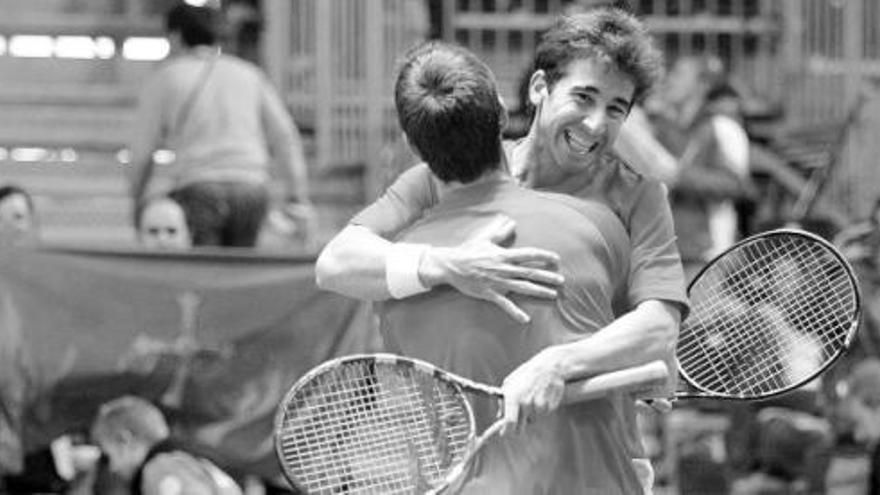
point(162, 225)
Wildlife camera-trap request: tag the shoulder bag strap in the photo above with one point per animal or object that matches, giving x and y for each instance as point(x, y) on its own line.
point(183, 115)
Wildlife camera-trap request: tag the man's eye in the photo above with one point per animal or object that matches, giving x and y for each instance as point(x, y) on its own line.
point(153, 230)
point(584, 97)
point(171, 230)
point(616, 112)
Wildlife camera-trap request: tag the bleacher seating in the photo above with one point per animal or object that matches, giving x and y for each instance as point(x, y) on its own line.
point(65, 120)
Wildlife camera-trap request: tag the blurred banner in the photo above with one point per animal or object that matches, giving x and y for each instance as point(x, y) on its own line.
point(214, 338)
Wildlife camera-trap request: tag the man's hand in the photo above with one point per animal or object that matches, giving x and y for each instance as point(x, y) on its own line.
point(535, 388)
point(482, 269)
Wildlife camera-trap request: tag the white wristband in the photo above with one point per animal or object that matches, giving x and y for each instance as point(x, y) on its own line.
point(402, 270)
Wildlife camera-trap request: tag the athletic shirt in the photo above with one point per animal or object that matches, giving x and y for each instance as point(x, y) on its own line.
point(638, 201)
point(581, 449)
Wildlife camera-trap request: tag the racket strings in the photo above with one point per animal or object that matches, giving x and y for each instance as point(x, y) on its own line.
point(766, 318)
point(369, 428)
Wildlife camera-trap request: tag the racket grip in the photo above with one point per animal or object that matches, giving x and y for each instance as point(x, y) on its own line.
point(633, 380)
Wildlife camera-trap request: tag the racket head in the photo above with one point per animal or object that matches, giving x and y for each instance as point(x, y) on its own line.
point(373, 423)
point(768, 315)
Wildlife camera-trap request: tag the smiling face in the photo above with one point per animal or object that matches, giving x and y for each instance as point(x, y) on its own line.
point(580, 115)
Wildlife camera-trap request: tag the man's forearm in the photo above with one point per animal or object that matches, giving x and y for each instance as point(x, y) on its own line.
point(353, 264)
point(645, 334)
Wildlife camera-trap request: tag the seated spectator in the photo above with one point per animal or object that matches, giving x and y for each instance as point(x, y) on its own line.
point(17, 214)
point(162, 224)
point(140, 456)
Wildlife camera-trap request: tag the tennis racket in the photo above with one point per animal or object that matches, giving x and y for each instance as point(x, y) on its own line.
point(382, 423)
point(767, 316)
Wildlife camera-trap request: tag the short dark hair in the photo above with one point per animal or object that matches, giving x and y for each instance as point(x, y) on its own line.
point(11, 190)
point(605, 33)
point(196, 25)
point(448, 107)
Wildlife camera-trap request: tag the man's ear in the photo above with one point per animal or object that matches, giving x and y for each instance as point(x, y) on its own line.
point(538, 87)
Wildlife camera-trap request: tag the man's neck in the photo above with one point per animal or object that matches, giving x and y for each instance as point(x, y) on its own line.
point(444, 188)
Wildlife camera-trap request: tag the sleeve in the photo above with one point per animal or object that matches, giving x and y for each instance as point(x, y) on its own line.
point(284, 141)
point(733, 144)
point(655, 267)
point(403, 202)
point(711, 180)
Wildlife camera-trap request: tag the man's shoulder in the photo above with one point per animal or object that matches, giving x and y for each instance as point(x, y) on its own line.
point(624, 186)
point(624, 176)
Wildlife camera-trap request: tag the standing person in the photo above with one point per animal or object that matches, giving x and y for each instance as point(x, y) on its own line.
point(227, 125)
point(589, 70)
point(579, 448)
point(713, 150)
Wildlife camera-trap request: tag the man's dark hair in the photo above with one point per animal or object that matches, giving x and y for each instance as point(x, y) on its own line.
point(448, 107)
point(196, 25)
point(604, 33)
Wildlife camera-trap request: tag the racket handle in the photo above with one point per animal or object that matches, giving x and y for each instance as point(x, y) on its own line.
point(634, 380)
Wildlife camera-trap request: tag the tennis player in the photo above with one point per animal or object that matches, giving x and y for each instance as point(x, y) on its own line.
point(581, 448)
point(590, 68)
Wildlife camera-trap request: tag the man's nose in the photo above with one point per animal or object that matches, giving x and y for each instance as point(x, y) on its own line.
point(595, 122)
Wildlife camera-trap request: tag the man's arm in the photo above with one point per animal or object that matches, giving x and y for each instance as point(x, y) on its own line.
point(357, 262)
point(645, 334)
point(360, 261)
point(286, 145)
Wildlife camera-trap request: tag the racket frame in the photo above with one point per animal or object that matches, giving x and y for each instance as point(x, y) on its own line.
point(700, 392)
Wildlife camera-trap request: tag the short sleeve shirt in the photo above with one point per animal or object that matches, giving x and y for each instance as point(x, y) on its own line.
point(583, 448)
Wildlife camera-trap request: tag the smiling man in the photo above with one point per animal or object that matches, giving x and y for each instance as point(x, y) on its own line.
point(589, 70)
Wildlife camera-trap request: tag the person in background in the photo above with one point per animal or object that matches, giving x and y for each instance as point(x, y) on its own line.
point(162, 225)
point(855, 468)
point(18, 217)
point(590, 69)
point(860, 242)
point(702, 127)
point(227, 126)
point(139, 457)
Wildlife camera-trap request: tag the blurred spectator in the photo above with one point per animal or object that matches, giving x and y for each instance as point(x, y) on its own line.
point(226, 124)
point(791, 457)
point(860, 242)
point(857, 418)
point(162, 224)
point(18, 220)
point(701, 124)
point(139, 456)
point(638, 145)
